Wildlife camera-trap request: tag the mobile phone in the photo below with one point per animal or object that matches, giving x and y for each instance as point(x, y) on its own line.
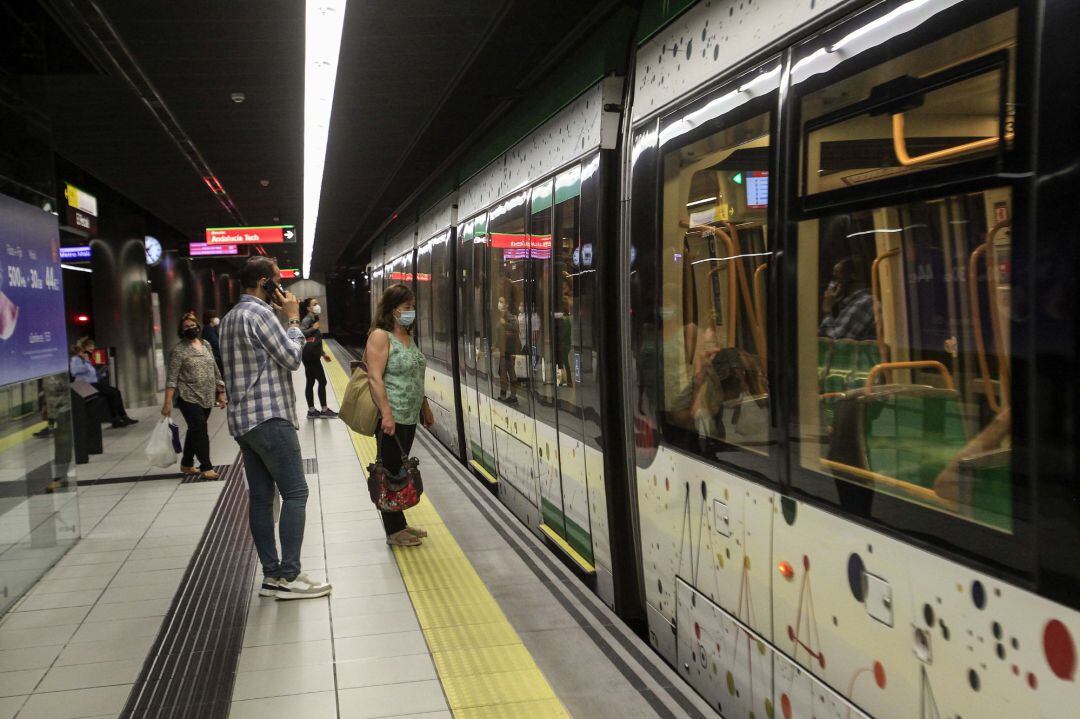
point(270, 288)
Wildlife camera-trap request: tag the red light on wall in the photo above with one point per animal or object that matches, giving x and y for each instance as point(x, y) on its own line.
point(290, 274)
point(785, 570)
point(82, 319)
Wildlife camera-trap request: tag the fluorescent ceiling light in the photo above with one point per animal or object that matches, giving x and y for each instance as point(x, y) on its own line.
point(77, 269)
point(706, 201)
point(324, 20)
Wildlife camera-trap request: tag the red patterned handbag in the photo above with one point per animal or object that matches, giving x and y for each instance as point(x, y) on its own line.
point(395, 493)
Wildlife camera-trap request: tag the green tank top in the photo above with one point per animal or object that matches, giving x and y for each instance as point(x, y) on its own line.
point(404, 380)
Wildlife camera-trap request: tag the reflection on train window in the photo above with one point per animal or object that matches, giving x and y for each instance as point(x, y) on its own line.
point(510, 339)
point(481, 342)
point(715, 253)
point(423, 297)
point(903, 352)
point(542, 359)
point(568, 272)
point(442, 289)
point(948, 102)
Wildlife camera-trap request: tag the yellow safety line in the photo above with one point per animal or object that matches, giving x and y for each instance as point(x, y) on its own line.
point(484, 474)
point(484, 668)
point(15, 438)
point(567, 549)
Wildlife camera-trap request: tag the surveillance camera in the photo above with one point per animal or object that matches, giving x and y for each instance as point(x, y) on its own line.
point(238, 97)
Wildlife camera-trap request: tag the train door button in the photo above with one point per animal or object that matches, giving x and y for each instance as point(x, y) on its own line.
point(879, 599)
point(721, 518)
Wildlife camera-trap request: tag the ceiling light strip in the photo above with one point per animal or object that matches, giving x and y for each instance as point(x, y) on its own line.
point(322, 47)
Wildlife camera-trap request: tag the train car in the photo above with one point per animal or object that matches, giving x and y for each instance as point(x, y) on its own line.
point(774, 340)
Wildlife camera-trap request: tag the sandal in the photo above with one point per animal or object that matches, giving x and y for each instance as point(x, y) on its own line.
point(404, 538)
point(416, 532)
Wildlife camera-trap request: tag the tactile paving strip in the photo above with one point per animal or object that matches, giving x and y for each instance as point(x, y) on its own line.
point(485, 670)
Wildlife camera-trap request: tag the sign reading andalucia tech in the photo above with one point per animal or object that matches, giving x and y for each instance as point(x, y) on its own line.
point(267, 235)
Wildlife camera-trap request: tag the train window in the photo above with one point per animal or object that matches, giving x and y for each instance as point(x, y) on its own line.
point(509, 325)
point(713, 261)
point(442, 289)
point(944, 103)
point(541, 304)
point(903, 354)
point(424, 304)
point(569, 267)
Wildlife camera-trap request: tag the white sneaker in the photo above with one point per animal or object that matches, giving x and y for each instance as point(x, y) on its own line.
point(301, 588)
point(269, 586)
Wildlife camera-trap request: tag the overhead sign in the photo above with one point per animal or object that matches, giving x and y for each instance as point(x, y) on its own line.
point(82, 209)
point(289, 274)
point(33, 323)
point(202, 249)
point(75, 254)
point(270, 235)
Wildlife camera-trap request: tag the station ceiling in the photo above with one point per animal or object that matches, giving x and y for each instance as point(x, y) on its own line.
point(417, 78)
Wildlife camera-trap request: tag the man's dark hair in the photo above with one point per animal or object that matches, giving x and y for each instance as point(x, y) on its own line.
point(255, 270)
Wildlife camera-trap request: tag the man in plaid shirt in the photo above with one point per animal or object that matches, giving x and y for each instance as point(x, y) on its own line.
point(260, 356)
point(847, 308)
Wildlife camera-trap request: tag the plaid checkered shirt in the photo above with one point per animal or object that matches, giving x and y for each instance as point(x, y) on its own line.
point(259, 357)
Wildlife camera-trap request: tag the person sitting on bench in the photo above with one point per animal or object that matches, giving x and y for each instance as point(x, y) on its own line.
point(81, 367)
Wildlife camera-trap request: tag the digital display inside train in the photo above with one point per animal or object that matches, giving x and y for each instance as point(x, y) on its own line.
point(757, 190)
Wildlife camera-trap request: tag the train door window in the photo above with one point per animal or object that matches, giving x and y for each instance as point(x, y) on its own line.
point(509, 324)
point(424, 304)
point(482, 340)
point(569, 267)
point(947, 102)
point(465, 283)
point(541, 307)
point(903, 306)
point(716, 247)
point(441, 297)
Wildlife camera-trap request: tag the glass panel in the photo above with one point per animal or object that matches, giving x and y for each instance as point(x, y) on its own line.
point(423, 295)
point(509, 258)
point(481, 343)
point(715, 251)
point(904, 358)
point(569, 268)
point(948, 102)
point(541, 310)
point(39, 509)
point(442, 296)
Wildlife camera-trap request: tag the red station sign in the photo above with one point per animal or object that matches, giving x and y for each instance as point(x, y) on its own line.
point(250, 235)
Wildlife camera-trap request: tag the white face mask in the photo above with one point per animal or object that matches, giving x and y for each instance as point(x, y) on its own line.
point(406, 317)
point(316, 310)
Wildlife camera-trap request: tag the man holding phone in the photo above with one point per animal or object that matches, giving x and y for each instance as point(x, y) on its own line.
point(259, 357)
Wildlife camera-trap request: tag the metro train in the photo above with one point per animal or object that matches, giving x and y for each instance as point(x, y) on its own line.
point(774, 341)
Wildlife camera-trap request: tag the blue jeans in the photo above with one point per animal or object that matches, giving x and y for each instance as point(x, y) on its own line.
point(272, 459)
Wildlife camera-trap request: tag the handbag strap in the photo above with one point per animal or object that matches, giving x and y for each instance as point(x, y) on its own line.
point(378, 445)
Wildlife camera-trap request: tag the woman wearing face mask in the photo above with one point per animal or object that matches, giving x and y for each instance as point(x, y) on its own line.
point(312, 357)
point(194, 383)
point(396, 376)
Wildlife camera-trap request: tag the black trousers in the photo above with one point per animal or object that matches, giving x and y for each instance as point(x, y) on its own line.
point(114, 399)
point(197, 439)
point(314, 372)
point(394, 522)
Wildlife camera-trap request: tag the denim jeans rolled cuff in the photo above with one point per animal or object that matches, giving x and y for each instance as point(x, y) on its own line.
point(272, 463)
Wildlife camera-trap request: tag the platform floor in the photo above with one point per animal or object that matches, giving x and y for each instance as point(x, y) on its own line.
point(480, 621)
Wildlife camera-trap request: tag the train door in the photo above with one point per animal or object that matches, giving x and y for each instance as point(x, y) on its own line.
point(467, 344)
point(570, 263)
point(488, 466)
point(512, 317)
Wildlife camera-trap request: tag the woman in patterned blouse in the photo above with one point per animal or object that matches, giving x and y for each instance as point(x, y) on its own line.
point(195, 383)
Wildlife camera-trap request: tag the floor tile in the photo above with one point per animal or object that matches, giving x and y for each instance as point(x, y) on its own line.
point(368, 624)
point(279, 656)
point(9, 706)
point(31, 658)
point(281, 632)
point(379, 645)
point(378, 604)
point(104, 651)
point(320, 704)
point(44, 618)
point(136, 628)
point(86, 676)
point(388, 670)
point(130, 610)
point(282, 682)
point(391, 699)
point(20, 682)
point(76, 704)
point(37, 637)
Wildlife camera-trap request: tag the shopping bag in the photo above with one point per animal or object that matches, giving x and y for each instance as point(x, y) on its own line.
point(160, 450)
point(358, 409)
